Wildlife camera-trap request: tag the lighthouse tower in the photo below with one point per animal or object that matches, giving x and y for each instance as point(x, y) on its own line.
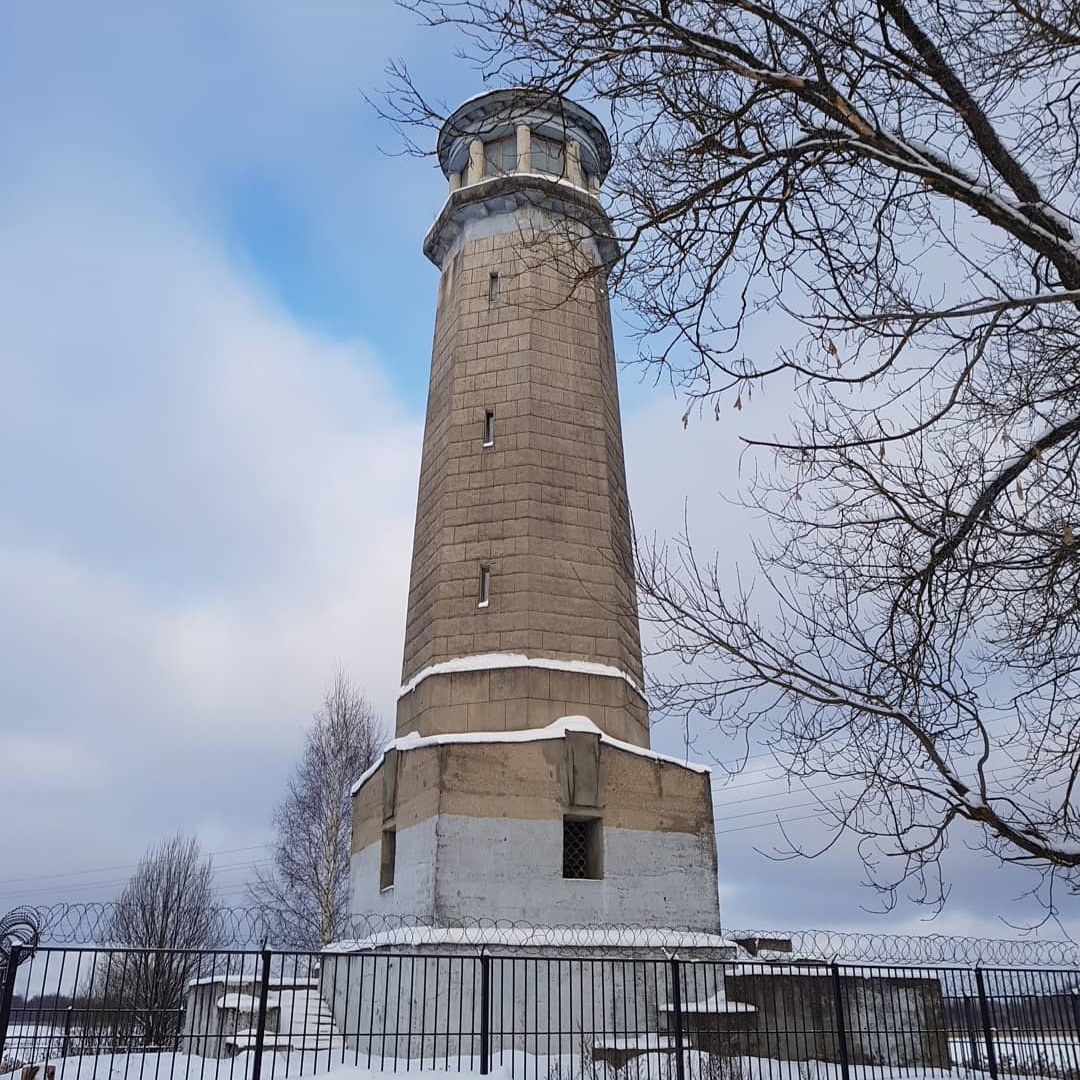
point(521, 784)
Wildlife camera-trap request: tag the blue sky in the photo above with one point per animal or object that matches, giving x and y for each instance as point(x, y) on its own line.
point(216, 323)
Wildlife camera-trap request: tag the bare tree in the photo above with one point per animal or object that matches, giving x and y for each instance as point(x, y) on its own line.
point(136, 996)
point(896, 180)
point(304, 894)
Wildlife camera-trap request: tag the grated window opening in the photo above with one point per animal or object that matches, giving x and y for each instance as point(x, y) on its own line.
point(581, 848)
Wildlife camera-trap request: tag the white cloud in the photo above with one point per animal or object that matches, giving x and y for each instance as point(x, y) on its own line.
point(211, 507)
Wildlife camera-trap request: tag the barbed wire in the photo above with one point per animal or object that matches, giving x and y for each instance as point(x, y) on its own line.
point(935, 949)
point(21, 927)
point(241, 928)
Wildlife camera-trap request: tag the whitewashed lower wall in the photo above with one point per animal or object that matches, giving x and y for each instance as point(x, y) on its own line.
point(426, 1005)
point(512, 869)
point(452, 868)
point(413, 892)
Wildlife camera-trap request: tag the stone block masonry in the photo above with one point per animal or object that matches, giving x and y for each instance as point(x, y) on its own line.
point(522, 475)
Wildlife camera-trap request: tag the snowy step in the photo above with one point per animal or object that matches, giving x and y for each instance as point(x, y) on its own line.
point(617, 1050)
point(648, 1041)
point(304, 1023)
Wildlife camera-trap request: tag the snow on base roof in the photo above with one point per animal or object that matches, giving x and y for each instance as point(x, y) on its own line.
point(715, 1003)
point(252, 979)
point(487, 661)
point(547, 936)
point(246, 1002)
point(415, 741)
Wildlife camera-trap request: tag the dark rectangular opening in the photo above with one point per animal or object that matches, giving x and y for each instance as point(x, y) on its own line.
point(388, 858)
point(493, 287)
point(485, 586)
point(583, 848)
point(489, 427)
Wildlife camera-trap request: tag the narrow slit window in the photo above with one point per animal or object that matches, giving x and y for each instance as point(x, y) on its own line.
point(582, 848)
point(493, 286)
point(489, 427)
point(388, 858)
point(485, 586)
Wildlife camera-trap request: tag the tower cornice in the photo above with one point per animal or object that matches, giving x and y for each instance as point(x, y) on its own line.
point(511, 194)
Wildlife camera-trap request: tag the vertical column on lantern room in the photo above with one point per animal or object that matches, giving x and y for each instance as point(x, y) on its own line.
point(524, 148)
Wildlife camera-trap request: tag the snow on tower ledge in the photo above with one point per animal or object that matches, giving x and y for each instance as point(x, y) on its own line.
point(414, 741)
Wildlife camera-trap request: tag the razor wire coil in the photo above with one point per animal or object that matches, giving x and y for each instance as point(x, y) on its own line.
point(238, 927)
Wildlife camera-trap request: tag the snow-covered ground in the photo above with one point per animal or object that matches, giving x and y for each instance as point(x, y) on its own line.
point(1017, 1054)
point(1053, 1064)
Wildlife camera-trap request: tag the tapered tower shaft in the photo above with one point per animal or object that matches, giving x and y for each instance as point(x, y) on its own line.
point(521, 601)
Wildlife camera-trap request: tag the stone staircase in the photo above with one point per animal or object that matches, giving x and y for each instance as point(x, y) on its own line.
point(709, 1021)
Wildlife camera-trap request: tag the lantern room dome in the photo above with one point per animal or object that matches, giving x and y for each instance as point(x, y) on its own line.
point(553, 121)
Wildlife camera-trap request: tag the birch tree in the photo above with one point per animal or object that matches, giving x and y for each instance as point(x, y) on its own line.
point(896, 182)
point(304, 892)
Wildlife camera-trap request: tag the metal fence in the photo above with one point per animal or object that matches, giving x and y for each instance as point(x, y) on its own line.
point(137, 1014)
point(239, 928)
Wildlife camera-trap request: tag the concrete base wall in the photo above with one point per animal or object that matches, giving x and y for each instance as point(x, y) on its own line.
point(424, 1001)
point(545, 1001)
point(451, 868)
point(888, 1019)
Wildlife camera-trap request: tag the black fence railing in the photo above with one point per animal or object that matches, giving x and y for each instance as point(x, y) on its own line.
point(137, 1014)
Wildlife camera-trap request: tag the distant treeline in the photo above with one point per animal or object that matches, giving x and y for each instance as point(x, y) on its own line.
point(40, 1002)
point(1024, 1012)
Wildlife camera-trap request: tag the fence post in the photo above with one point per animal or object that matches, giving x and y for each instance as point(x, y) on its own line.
point(988, 1031)
point(485, 1014)
point(65, 1048)
point(7, 992)
point(260, 1023)
point(973, 1038)
point(677, 1014)
point(841, 1027)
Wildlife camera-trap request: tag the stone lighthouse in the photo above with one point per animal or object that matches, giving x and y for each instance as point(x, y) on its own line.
point(521, 784)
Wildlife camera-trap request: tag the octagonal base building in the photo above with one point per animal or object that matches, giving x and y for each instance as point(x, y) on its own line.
point(521, 785)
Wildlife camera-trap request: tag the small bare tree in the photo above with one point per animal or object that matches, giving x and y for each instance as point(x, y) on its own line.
point(136, 997)
point(304, 893)
point(899, 182)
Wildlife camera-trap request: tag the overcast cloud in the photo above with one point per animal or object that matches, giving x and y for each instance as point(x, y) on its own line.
point(215, 319)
